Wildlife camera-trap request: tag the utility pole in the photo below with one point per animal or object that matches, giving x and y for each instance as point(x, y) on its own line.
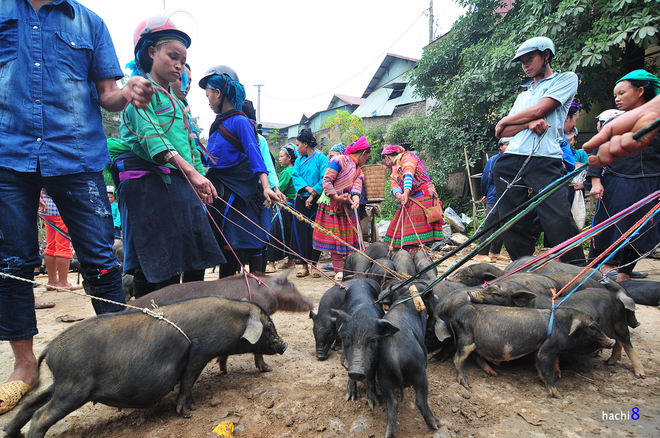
point(259, 102)
point(431, 23)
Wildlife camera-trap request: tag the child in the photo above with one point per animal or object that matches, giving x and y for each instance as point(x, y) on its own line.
point(116, 218)
point(165, 228)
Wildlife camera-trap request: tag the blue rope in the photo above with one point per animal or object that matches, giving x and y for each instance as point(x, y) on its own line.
point(605, 260)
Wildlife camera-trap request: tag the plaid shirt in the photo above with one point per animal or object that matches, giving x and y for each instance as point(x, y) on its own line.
point(51, 208)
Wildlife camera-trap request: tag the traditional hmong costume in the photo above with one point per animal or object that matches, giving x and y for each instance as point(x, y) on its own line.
point(410, 227)
point(626, 181)
point(308, 171)
point(341, 176)
point(234, 176)
point(166, 231)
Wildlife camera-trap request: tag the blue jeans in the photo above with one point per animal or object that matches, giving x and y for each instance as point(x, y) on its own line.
point(84, 206)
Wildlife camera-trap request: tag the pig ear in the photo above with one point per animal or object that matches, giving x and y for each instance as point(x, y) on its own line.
point(488, 276)
point(253, 330)
point(574, 326)
point(312, 315)
point(339, 315)
point(281, 279)
point(522, 297)
point(386, 328)
point(441, 331)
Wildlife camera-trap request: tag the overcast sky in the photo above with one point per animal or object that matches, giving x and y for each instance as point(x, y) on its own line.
point(302, 51)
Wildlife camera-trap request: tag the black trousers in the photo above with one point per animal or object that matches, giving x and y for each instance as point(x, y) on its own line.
point(491, 217)
point(554, 213)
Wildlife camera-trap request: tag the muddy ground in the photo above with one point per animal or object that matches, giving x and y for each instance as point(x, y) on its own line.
point(303, 397)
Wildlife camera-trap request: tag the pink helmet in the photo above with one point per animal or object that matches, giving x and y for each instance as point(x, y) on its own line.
point(154, 26)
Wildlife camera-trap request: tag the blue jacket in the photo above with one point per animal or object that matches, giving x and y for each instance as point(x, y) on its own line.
point(487, 183)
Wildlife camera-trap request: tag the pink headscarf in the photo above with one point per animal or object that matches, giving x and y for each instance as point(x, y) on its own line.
point(360, 145)
point(392, 149)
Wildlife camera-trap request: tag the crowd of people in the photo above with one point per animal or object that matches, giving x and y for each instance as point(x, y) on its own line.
point(185, 207)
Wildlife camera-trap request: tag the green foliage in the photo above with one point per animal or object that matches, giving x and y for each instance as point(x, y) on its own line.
point(276, 139)
point(349, 126)
point(401, 131)
point(470, 73)
point(111, 123)
point(375, 136)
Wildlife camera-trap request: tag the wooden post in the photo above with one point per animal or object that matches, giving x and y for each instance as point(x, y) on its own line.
point(474, 205)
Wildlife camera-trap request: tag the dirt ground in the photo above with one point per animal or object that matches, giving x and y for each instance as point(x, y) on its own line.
point(305, 397)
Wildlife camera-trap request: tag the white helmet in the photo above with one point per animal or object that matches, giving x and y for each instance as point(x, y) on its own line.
point(537, 43)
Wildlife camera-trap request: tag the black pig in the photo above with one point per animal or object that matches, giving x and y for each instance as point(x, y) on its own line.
point(357, 265)
point(643, 291)
point(132, 360)
point(506, 333)
point(325, 330)
point(404, 264)
point(422, 261)
point(380, 274)
point(608, 312)
point(360, 327)
point(271, 293)
point(477, 274)
point(402, 363)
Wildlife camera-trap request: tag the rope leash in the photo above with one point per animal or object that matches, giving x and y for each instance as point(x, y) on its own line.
point(321, 229)
point(534, 264)
point(156, 313)
point(605, 256)
point(511, 218)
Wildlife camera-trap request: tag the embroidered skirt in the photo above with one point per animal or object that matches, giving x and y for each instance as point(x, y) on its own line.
point(411, 227)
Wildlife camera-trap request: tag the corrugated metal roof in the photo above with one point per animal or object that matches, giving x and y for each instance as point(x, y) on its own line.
point(337, 100)
point(385, 68)
point(379, 103)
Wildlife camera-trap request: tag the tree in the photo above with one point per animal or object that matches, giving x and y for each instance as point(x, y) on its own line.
point(349, 126)
point(469, 70)
point(111, 123)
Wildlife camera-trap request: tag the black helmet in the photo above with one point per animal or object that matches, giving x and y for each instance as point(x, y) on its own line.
point(218, 70)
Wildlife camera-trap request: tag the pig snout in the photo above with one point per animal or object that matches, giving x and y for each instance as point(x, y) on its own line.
point(357, 373)
point(281, 347)
point(321, 354)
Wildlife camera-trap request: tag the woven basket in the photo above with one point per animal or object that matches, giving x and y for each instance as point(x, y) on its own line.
point(374, 182)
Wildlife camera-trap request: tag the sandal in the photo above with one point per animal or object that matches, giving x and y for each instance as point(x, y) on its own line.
point(11, 393)
point(303, 273)
point(339, 276)
point(283, 265)
point(316, 274)
point(270, 269)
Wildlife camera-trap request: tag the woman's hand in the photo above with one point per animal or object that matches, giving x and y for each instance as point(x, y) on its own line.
point(597, 189)
point(403, 200)
point(270, 195)
point(203, 186)
point(280, 195)
point(355, 202)
point(309, 202)
point(341, 198)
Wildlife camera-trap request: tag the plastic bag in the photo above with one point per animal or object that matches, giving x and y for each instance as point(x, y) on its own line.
point(454, 220)
point(578, 209)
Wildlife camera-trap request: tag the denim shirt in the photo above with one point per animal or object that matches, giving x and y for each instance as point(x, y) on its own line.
point(49, 109)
